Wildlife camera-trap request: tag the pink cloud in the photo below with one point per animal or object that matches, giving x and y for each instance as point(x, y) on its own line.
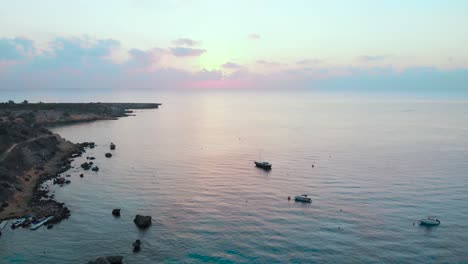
point(218, 84)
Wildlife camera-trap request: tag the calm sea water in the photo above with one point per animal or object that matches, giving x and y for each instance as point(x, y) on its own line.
point(379, 167)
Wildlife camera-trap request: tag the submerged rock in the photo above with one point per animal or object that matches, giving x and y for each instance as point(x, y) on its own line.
point(108, 155)
point(96, 168)
point(142, 221)
point(116, 212)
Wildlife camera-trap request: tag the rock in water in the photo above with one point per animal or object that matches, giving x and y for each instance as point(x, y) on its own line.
point(108, 155)
point(59, 180)
point(115, 259)
point(116, 212)
point(136, 245)
point(142, 221)
point(86, 165)
point(107, 260)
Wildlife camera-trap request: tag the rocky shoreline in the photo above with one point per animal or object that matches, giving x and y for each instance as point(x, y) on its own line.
point(31, 155)
point(44, 204)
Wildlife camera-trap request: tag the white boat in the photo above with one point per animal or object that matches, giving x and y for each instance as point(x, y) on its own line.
point(303, 198)
point(18, 222)
point(3, 224)
point(429, 221)
point(39, 224)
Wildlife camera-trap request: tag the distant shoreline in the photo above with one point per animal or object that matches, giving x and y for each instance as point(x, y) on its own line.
point(31, 154)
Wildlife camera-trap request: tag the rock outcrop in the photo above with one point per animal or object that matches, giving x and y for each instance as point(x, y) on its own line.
point(142, 221)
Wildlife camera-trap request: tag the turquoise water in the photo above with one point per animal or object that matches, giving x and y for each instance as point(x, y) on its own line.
point(379, 166)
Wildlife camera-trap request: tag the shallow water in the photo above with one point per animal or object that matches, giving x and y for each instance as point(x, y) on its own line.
point(379, 166)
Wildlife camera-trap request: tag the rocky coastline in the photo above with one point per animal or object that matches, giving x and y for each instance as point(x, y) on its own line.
point(30, 154)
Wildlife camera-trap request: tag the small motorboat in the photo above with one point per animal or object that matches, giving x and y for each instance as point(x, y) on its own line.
point(39, 224)
point(17, 223)
point(303, 198)
point(430, 221)
point(263, 164)
point(112, 145)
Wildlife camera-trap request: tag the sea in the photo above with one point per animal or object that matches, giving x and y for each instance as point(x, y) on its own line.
point(372, 166)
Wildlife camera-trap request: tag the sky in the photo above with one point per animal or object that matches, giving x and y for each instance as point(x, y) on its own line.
point(399, 45)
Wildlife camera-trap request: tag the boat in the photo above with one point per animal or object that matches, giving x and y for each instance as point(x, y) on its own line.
point(38, 219)
point(39, 224)
point(303, 198)
point(430, 221)
point(28, 221)
point(263, 164)
point(112, 145)
point(3, 224)
point(18, 222)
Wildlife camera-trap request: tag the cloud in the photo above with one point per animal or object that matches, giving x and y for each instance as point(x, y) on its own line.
point(253, 36)
point(15, 48)
point(185, 42)
point(308, 61)
point(186, 52)
point(422, 81)
point(370, 58)
point(232, 66)
point(270, 63)
point(86, 63)
point(144, 58)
